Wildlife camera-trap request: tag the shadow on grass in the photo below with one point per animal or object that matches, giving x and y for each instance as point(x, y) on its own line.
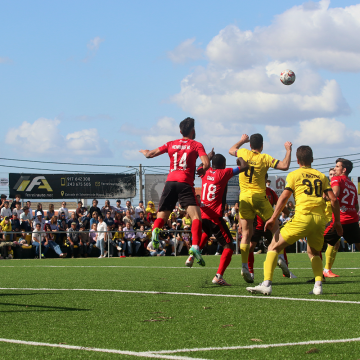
point(39, 308)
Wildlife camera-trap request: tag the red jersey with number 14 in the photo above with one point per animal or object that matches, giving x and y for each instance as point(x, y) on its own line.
point(273, 199)
point(212, 190)
point(348, 198)
point(183, 154)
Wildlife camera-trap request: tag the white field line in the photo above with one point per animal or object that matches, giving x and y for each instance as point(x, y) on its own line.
point(111, 351)
point(265, 346)
point(189, 294)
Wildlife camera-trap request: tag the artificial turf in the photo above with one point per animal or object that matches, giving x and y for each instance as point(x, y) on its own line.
point(152, 322)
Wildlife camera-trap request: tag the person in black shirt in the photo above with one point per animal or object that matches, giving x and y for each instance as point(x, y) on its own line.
point(93, 208)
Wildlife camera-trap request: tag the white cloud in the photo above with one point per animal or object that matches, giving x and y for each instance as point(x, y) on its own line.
point(186, 51)
point(43, 137)
point(94, 43)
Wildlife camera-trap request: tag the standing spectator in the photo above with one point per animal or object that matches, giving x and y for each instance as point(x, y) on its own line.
point(64, 210)
point(110, 223)
point(120, 241)
point(130, 208)
point(119, 220)
point(28, 204)
point(18, 210)
point(50, 212)
point(38, 238)
point(151, 209)
point(6, 211)
point(94, 219)
point(159, 251)
point(16, 201)
point(39, 220)
point(186, 220)
point(106, 208)
point(129, 219)
point(92, 236)
point(141, 235)
point(39, 208)
point(25, 219)
point(101, 236)
point(118, 208)
point(84, 237)
point(93, 208)
point(73, 239)
point(15, 225)
point(235, 209)
point(49, 241)
point(140, 208)
point(2, 201)
point(129, 236)
point(73, 220)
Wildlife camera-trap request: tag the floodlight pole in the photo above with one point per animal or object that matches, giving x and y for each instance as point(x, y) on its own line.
point(140, 183)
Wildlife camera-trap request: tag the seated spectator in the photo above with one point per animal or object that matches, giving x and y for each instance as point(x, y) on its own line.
point(303, 245)
point(6, 211)
point(129, 219)
point(28, 204)
point(186, 237)
point(25, 219)
point(107, 208)
point(64, 210)
point(54, 228)
point(93, 208)
point(22, 240)
point(140, 208)
point(39, 220)
point(141, 235)
point(120, 241)
point(172, 219)
point(40, 209)
point(284, 218)
point(141, 221)
point(119, 220)
point(84, 237)
point(6, 244)
point(50, 243)
point(291, 208)
point(182, 212)
point(73, 239)
point(186, 220)
point(16, 201)
point(94, 219)
point(150, 219)
point(174, 239)
point(2, 201)
point(118, 208)
point(235, 209)
point(51, 212)
point(150, 209)
point(37, 239)
point(155, 252)
point(92, 236)
point(130, 208)
point(18, 210)
point(101, 236)
point(62, 224)
point(129, 236)
point(73, 220)
point(15, 225)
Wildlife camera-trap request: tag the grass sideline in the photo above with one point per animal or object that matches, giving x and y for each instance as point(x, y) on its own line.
point(142, 322)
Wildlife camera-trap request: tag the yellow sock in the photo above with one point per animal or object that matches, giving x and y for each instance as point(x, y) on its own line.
point(328, 257)
point(270, 265)
point(333, 256)
point(244, 253)
point(316, 265)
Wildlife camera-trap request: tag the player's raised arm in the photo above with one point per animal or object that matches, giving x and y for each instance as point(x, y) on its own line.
point(244, 139)
point(200, 170)
point(285, 164)
point(336, 211)
point(151, 153)
point(205, 162)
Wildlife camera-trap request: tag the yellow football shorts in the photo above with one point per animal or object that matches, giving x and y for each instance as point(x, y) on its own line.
point(311, 226)
point(254, 204)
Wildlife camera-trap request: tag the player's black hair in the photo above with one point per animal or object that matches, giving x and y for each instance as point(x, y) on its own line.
point(218, 161)
point(186, 126)
point(304, 154)
point(256, 141)
point(347, 164)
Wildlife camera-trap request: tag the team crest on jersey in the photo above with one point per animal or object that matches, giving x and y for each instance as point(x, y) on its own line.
point(210, 178)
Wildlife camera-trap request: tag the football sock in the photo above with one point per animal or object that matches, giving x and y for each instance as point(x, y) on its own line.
point(270, 265)
point(333, 256)
point(328, 256)
point(285, 257)
point(196, 230)
point(158, 223)
point(203, 241)
point(251, 262)
point(317, 267)
point(245, 248)
point(224, 260)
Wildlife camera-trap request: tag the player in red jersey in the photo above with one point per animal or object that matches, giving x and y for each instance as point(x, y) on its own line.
point(346, 193)
point(213, 199)
point(180, 183)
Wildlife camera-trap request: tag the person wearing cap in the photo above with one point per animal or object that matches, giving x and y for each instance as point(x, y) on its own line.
point(25, 219)
point(39, 220)
point(73, 239)
point(6, 211)
point(150, 209)
point(140, 208)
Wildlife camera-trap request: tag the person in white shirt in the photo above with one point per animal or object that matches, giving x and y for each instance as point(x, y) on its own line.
point(38, 238)
point(25, 219)
point(118, 208)
point(64, 210)
point(28, 204)
point(155, 252)
point(235, 209)
point(130, 208)
point(101, 236)
point(18, 210)
point(139, 209)
point(6, 211)
point(129, 219)
point(39, 220)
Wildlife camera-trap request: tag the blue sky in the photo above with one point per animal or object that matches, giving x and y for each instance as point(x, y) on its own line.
point(94, 82)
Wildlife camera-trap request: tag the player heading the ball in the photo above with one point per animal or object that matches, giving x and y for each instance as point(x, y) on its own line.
point(180, 182)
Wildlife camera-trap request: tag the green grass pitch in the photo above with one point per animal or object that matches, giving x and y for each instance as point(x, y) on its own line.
point(149, 322)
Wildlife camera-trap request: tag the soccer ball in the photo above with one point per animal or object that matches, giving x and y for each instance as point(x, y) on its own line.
point(287, 77)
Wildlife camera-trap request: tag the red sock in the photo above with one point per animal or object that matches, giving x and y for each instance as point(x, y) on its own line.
point(320, 256)
point(204, 240)
point(224, 261)
point(158, 223)
point(196, 230)
point(251, 262)
point(285, 257)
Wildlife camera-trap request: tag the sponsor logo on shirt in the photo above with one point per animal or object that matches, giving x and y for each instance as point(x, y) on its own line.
point(210, 178)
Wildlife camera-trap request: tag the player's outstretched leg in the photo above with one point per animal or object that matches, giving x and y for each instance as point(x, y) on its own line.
point(196, 232)
point(190, 260)
point(247, 230)
point(158, 225)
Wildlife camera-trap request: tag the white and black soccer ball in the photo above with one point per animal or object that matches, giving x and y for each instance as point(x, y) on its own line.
point(287, 77)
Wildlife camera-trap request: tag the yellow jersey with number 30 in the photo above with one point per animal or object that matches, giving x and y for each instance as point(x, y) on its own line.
point(253, 179)
point(308, 185)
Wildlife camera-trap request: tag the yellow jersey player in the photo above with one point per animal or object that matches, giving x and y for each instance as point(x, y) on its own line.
point(253, 199)
point(307, 185)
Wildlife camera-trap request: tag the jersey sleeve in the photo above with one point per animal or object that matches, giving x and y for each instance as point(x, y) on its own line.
point(200, 150)
point(270, 161)
point(335, 181)
point(290, 182)
point(163, 149)
point(236, 171)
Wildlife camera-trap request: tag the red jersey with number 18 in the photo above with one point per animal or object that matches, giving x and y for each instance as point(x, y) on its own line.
point(183, 154)
point(348, 198)
point(212, 190)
